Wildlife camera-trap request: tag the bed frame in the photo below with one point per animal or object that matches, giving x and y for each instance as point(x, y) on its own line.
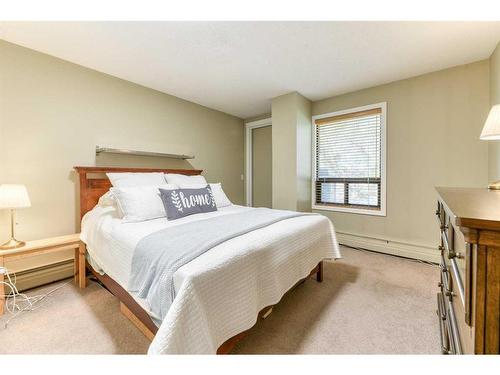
point(94, 184)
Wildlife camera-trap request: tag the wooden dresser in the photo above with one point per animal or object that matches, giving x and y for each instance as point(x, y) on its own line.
point(469, 296)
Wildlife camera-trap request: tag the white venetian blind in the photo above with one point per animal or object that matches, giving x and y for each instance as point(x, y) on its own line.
point(348, 159)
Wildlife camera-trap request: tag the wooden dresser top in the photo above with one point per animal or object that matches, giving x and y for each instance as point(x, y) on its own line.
point(473, 207)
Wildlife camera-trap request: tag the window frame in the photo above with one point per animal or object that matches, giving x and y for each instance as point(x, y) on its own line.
point(383, 163)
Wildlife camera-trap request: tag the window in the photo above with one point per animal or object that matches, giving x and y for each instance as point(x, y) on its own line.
point(349, 160)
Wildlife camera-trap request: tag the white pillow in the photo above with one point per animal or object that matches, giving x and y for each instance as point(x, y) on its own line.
point(107, 200)
point(140, 203)
point(129, 179)
point(181, 179)
point(221, 199)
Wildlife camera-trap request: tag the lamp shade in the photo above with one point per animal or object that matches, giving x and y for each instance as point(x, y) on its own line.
point(491, 128)
point(14, 196)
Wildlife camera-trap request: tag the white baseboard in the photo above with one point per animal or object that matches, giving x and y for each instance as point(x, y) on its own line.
point(43, 275)
point(428, 254)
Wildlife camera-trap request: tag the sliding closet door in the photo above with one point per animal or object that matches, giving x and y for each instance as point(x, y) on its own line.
point(262, 167)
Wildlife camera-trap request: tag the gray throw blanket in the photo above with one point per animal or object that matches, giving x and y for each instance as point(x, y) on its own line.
point(159, 255)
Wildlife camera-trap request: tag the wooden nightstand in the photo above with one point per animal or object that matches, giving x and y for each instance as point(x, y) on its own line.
point(45, 246)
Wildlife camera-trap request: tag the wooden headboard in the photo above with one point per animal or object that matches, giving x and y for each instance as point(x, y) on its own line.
point(92, 187)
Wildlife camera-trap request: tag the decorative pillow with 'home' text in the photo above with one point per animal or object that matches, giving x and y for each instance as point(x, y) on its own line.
point(184, 202)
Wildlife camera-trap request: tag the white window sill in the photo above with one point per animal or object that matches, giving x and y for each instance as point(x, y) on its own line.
point(360, 211)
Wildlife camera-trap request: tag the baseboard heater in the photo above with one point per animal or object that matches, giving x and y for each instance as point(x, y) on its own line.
point(391, 247)
point(49, 273)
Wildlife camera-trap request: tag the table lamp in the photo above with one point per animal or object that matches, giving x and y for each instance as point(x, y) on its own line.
point(491, 132)
point(12, 197)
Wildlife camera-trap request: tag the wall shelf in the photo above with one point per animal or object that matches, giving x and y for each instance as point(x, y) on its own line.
point(109, 150)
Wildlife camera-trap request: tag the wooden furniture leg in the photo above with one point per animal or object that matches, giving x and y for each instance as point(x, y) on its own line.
point(135, 321)
point(82, 279)
point(76, 265)
point(319, 274)
point(2, 288)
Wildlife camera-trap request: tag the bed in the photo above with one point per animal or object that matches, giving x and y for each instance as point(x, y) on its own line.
point(221, 293)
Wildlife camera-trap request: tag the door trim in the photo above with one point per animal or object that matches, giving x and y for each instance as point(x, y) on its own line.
point(249, 126)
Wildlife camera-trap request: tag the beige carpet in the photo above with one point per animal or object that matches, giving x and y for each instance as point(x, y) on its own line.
point(368, 303)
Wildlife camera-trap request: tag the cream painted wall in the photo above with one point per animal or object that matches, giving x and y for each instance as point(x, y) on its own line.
point(284, 152)
point(433, 127)
point(291, 115)
point(303, 147)
point(257, 118)
point(495, 75)
point(494, 146)
point(52, 115)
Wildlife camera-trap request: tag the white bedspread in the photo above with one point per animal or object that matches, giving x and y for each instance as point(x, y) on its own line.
point(220, 293)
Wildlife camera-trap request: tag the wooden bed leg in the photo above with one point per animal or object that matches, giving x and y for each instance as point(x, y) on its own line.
point(266, 312)
point(135, 321)
point(82, 272)
point(319, 274)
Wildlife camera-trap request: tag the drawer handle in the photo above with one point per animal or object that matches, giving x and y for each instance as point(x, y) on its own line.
point(454, 329)
point(450, 337)
point(449, 293)
point(446, 282)
point(445, 241)
point(458, 278)
point(445, 344)
point(453, 254)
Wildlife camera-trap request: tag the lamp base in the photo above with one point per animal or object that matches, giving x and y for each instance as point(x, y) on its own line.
point(12, 244)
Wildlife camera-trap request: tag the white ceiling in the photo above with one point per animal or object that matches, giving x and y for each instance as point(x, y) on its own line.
point(237, 67)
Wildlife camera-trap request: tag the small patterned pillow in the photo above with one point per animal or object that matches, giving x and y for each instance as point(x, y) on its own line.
point(184, 202)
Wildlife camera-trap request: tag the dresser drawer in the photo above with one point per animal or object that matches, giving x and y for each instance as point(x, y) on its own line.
point(459, 334)
point(444, 331)
point(456, 256)
point(449, 331)
point(465, 331)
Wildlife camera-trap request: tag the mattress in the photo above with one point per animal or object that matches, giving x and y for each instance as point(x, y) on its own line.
point(278, 256)
point(111, 243)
